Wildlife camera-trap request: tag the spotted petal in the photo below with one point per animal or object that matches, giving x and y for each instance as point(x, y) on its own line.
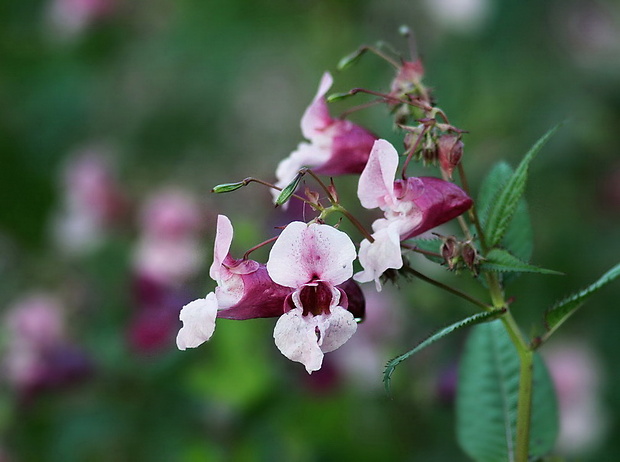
point(304, 253)
point(304, 339)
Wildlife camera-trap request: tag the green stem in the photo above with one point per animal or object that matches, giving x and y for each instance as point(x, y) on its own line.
point(447, 288)
point(524, 407)
point(353, 220)
point(526, 361)
point(472, 212)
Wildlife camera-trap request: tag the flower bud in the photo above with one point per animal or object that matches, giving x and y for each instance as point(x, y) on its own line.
point(351, 58)
point(408, 78)
point(228, 187)
point(287, 192)
point(430, 152)
point(470, 256)
point(450, 250)
point(450, 150)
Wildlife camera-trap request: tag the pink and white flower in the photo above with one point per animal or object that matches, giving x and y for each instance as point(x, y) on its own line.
point(312, 260)
point(306, 283)
point(336, 147)
point(410, 207)
point(244, 291)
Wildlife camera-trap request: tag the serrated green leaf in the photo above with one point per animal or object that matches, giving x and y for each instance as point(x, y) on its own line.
point(502, 209)
point(491, 187)
point(519, 237)
point(487, 398)
point(503, 261)
point(562, 310)
point(475, 319)
point(428, 245)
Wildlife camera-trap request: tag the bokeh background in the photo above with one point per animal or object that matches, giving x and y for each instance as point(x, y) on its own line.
point(118, 116)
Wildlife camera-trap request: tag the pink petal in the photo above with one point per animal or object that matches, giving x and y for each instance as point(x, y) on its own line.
point(223, 239)
point(304, 253)
point(350, 147)
point(295, 336)
point(382, 254)
point(198, 319)
point(317, 118)
point(377, 180)
point(260, 297)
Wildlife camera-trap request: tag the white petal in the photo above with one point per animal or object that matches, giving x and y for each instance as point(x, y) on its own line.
point(306, 252)
point(223, 239)
point(336, 328)
point(377, 180)
point(198, 319)
point(378, 256)
point(295, 336)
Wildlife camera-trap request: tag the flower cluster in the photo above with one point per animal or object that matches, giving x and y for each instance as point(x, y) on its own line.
point(308, 281)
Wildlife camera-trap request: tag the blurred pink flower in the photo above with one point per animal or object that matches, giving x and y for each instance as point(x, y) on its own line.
point(71, 17)
point(92, 203)
point(38, 354)
point(171, 213)
point(169, 250)
point(337, 146)
point(410, 208)
point(576, 373)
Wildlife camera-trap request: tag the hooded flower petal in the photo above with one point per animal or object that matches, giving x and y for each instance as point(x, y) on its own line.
point(438, 201)
point(350, 146)
point(376, 183)
point(304, 339)
point(261, 297)
point(382, 254)
point(304, 253)
point(198, 319)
